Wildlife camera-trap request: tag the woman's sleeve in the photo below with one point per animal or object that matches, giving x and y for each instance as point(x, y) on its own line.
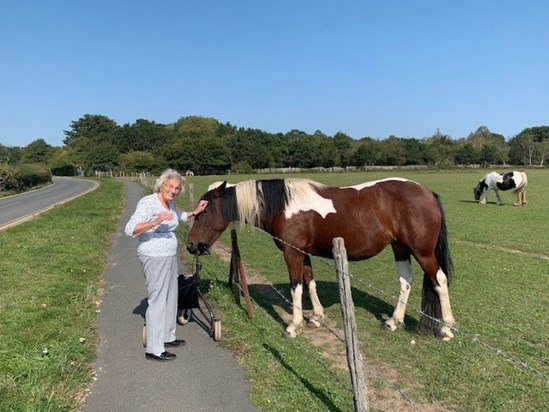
point(139, 216)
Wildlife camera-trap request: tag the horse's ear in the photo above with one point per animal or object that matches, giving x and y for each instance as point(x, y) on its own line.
point(220, 190)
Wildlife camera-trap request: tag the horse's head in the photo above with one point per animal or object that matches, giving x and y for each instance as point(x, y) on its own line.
point(478, 189)
point(210, 223)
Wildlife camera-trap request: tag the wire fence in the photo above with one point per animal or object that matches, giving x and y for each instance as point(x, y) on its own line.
point(471, 336)
point(378, 374)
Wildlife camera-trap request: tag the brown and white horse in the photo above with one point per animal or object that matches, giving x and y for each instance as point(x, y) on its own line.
point(304, 217)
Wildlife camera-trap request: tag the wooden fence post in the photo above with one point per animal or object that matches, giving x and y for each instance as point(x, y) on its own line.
point(354, 358)
point(237, 276)
point(191, 204)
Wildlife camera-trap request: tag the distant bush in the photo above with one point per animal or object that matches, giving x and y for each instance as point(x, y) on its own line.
point(34, 174)
point(66, 170)
point(23, 177)
point(9, 177)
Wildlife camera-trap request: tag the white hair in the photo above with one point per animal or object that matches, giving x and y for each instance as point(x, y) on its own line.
point(167, 175)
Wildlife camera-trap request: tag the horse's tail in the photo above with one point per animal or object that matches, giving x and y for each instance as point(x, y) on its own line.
point(430, 303)
point(522, 184)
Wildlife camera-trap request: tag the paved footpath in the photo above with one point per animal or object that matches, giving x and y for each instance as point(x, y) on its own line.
point(204, 377)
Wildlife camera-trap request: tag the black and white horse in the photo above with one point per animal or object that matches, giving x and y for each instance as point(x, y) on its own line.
point(498, 181)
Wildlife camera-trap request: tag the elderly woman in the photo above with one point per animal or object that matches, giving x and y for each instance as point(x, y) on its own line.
point(154, 223)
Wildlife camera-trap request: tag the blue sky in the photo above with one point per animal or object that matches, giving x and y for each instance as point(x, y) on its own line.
point(366, 68)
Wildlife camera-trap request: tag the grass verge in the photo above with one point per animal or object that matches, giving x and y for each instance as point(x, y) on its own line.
point(49, 286)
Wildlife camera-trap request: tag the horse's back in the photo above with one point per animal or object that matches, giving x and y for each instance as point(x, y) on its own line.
point(369, 217)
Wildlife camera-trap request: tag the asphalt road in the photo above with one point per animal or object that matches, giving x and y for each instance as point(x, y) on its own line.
point(22, 207)
point(204, 377)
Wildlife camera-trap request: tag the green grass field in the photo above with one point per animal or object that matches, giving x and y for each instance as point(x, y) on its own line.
point(501, 258)
point(50, 283)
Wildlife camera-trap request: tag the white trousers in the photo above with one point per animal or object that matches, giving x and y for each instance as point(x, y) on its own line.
point(161, 315)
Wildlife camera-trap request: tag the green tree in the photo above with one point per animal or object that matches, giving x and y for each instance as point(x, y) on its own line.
point(139, 161)
point(104, 157)
point(370, 152)
point(492, 146)
point(91, 126)
point(467, 154)
point(249, 146)
point(211, 156)
point(65, 161)
point(37, 152)
point(395, 151)
point(143, 135)
point(196, 127)
point(440, 150)
point(343, 145)
point(10, 155)
point(415, 151)
point(530, 146)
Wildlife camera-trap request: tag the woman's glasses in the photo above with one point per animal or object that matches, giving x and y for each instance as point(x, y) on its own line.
point(173, 188)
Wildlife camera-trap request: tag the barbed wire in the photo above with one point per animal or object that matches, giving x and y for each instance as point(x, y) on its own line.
point(342, 340)
point(473, 338)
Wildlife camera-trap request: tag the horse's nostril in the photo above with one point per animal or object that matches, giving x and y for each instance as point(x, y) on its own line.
point(203, 248)
point(191, 248)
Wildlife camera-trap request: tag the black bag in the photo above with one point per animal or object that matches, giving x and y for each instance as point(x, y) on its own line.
point(188, 292)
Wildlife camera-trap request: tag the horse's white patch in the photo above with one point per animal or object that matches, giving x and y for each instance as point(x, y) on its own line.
point(219, 183)
point(302, 198)
point(374, 182)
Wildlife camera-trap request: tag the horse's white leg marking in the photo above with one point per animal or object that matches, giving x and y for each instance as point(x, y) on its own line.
point(519, 201)
point(498, 197)
point(318, 310)
point(405, 278)
point(297, 318)
point(447, 316)
point(521, 198)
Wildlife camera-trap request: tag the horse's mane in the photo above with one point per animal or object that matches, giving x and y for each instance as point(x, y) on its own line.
point(258, 200)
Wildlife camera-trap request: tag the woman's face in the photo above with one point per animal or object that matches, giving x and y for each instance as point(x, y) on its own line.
point(170, 189)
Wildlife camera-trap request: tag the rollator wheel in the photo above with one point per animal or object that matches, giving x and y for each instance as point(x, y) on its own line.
point(217, 330)
point(183, 316)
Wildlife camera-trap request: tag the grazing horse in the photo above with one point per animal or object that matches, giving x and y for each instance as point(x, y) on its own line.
point(304, 217)
point(498, 181)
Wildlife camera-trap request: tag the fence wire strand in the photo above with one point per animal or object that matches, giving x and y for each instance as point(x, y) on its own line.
point(471, 337)
point(372, 368)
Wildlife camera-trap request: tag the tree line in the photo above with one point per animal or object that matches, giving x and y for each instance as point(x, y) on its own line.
point(207, 146)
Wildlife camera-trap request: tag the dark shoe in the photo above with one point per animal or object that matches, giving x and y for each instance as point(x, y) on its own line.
point(175, 343)
point(164, 356)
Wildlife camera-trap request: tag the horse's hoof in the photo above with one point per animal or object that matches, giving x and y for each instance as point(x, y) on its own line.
point(390, 325)
point(313, 323)
point(290, 332)
point(446, 334)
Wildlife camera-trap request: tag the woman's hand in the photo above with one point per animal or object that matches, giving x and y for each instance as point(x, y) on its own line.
point(164, 216)
point(201, 206)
